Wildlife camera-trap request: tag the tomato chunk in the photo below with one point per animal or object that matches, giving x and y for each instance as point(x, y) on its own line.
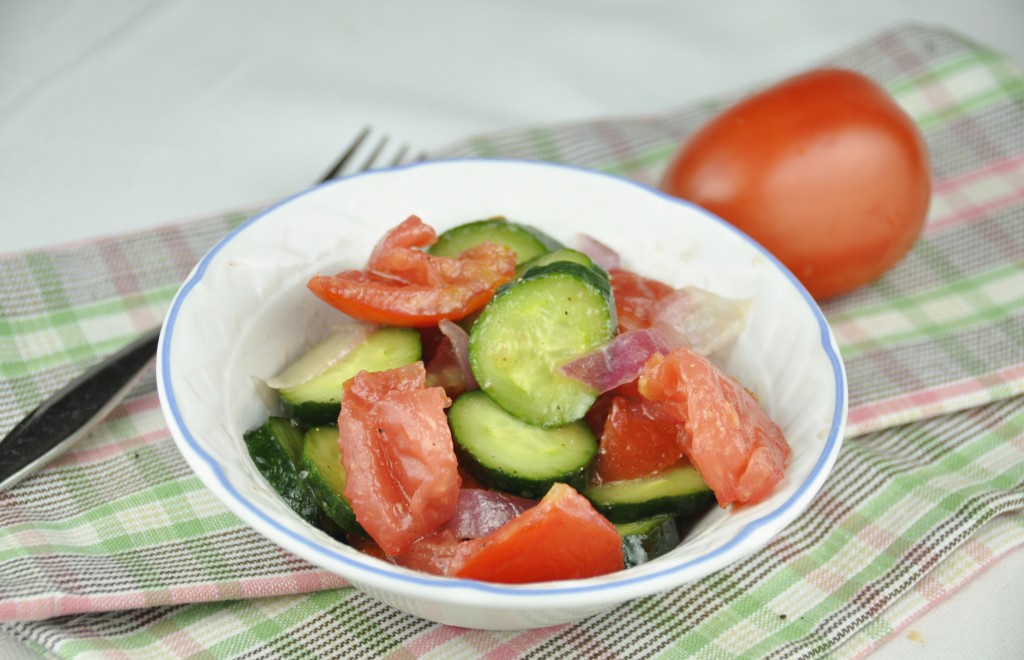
point(738, 449)
point(561, 538)
point(598, 413)
point(636, 298)
point(431, 554)
point(640, 437)
point(403, 479)
point(403, 285)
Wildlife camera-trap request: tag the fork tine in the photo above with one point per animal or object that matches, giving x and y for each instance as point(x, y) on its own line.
point(345, 157)
point(375, 154)
point(338, 169)
point(400, 156)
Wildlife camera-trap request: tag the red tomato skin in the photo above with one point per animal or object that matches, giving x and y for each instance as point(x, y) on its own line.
point(824, 170)
point(404, 286)
point(561, 538)
point(374, 298)
point(639, 437)
point(738, 449)
point(403, 480)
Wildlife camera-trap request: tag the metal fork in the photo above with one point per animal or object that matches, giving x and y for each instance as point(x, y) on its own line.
point(69, 414)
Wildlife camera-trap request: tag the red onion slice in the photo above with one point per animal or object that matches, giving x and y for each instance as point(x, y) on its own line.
point(459, 339)
point(619, 361)
point(480, 512)
point(700, 320)
point(601, 254)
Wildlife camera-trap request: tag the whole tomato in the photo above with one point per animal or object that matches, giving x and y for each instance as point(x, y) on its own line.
point(824, 170)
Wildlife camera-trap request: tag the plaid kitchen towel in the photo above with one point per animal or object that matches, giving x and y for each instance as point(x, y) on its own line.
point(116, 548)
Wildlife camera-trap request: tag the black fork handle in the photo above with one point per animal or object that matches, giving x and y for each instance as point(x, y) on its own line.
point(71, 413)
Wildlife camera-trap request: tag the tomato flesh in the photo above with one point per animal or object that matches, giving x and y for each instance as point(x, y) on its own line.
point(738, 449)
point(404, 286)
point(639, 438)
point(636, 298)
point(403, 480)
point(824, 170)
point(431, 554)
point(561, 538)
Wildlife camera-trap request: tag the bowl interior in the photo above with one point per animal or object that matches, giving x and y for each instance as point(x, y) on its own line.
point(245, 312)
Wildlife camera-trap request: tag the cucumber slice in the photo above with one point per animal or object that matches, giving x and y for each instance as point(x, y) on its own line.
point(323, 471)
point(561, 254)
point(677, 491)
point(275, 448)
point(507, 454)
point(318, 401)
point(527, 242)
point(533, 326)
point(648, 539)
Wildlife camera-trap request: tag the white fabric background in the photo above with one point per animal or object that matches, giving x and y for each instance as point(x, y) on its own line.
point(117, 115)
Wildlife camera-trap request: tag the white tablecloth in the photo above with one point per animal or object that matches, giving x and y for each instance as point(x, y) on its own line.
point(119, 115)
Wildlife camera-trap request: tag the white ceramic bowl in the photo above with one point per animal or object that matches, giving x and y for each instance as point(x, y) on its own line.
point(244, 311)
